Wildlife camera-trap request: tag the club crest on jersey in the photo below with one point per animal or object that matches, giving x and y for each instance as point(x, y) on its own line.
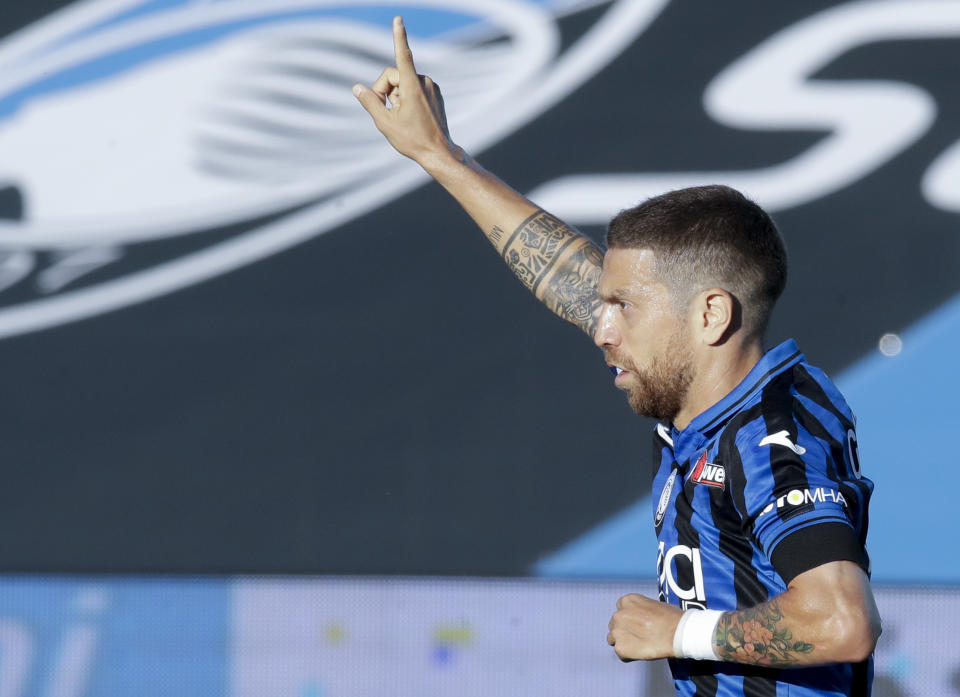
point(708, 473)
point(664, 498)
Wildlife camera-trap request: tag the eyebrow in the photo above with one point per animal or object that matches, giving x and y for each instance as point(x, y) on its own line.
point(614, 295)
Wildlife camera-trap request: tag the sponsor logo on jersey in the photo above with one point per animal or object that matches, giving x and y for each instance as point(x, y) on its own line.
point(800, 497)
point(668, 561)
point(783, 438)
point(665, 498)
point(708, 473)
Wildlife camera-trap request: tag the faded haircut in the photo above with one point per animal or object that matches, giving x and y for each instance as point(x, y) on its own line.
point(709, 237)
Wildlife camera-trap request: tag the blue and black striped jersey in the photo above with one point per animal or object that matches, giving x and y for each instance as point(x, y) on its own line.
point(759, 488)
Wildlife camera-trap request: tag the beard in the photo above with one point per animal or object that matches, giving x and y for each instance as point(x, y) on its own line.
point(660, 390)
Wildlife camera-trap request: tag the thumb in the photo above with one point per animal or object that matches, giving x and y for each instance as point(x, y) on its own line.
point(370, 101)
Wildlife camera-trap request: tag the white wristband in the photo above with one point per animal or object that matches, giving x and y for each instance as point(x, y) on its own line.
point(694, 635)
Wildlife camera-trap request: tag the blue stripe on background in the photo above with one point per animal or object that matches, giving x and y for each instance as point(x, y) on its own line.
point(420, 21)
point(906, 424)
point(113, 64)
point(906, 409)
point(623, 546)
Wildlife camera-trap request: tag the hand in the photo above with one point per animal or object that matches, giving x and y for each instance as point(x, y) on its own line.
point(643, 629)
point(415, 124)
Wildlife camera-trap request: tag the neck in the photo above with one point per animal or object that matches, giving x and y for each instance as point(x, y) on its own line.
point(718, 373)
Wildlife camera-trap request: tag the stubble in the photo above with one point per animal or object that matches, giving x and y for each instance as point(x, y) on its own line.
point(661, 389)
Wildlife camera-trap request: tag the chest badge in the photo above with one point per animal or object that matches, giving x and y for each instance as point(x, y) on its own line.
point(665, 498)
point(708, 473)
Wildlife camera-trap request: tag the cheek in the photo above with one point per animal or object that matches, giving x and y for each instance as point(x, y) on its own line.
point(640, 341)
point(651, 339)
point(644, 326)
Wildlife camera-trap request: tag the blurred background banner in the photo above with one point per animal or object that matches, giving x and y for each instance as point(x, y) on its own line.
point(113, 636)
point(354, 637)
point(241, 335)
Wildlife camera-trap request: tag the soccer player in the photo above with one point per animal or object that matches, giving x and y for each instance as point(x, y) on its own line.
point(760, 507)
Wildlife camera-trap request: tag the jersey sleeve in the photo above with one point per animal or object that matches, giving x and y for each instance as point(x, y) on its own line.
point(791, 499)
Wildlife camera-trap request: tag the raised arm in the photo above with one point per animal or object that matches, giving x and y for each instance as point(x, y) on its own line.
point(826, 615)
point(557, 263)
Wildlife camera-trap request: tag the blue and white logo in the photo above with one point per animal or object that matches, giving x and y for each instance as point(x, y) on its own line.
point(208, 135)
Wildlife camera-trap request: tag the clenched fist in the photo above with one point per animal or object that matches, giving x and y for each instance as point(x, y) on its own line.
point(643, 629)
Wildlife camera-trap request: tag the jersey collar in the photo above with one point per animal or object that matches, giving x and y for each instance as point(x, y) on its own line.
point(771, 364)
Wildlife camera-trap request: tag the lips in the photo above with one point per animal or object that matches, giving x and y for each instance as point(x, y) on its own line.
point(620, 375)
point(621, 367)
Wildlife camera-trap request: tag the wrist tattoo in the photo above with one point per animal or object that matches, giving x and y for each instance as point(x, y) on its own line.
point(757, 635)
point(560, 266)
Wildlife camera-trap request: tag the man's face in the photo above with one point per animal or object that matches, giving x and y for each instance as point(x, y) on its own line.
point(643, 337)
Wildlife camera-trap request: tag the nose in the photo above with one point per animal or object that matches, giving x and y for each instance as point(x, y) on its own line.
point(606, 333)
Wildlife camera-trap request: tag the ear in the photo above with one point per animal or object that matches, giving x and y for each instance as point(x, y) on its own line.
point(715, 312)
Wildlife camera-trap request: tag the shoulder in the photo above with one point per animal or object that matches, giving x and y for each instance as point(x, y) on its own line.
point(814, 389)
point(770, 434)
point(800, 403)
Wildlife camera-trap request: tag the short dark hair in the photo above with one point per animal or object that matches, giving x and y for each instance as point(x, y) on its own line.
point(706, 237)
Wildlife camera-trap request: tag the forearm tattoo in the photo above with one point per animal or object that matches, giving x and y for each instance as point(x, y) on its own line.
point(758, 636)
point(572, 290)
point(560, 266)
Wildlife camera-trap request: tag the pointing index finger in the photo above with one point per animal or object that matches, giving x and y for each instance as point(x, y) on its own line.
point(404, 56)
